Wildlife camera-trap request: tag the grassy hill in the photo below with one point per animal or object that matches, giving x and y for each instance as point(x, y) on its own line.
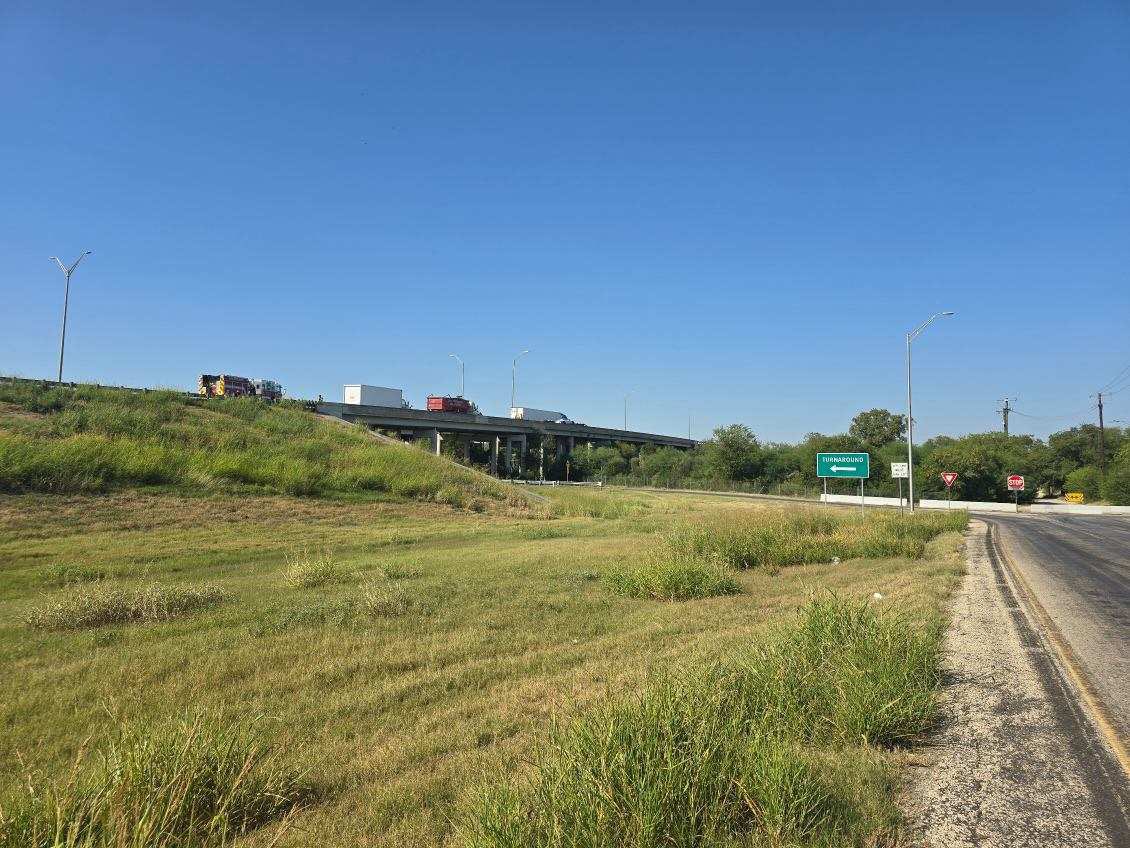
point(92, 439)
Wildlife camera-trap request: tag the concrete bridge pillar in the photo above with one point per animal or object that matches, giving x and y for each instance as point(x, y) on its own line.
point(494, 455)
point(565, 445)
point(436, 440)
point(510, 442)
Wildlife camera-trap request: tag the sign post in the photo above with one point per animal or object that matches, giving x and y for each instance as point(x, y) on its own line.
point(948, 477)
point(844, 466)
point(1016, 485)
point(900, 471)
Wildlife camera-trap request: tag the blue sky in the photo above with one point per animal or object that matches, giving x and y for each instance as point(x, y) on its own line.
point(731, 210)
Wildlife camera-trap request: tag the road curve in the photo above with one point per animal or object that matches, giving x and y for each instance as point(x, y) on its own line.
point(1078, 568)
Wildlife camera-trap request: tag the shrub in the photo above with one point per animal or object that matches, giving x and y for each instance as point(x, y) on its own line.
point(194, 781)
point(307, 571)
point(1116, 486)
point(1087, 480)
point(95, 606)
point(672, 578)
point(762, 748)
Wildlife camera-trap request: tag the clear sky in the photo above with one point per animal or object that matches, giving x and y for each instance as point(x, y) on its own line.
point(732, 210)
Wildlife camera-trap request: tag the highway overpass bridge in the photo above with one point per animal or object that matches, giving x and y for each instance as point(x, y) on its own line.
point(502, 435)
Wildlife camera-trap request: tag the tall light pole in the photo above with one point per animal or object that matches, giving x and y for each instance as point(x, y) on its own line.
point(911, 336)
point(628, 395)
point(66, 299)
point(462, 373)
point(514, 379)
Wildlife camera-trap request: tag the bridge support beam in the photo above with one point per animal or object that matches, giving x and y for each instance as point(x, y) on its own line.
point(494, 455)
point(436, 440)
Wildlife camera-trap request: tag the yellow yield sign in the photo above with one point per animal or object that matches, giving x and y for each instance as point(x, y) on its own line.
point(1075, 497)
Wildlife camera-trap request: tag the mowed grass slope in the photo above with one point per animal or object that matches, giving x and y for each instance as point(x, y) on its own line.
point(91, 439)
point(408, 655)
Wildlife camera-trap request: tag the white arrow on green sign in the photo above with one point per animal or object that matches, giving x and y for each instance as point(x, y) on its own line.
point(850, 466)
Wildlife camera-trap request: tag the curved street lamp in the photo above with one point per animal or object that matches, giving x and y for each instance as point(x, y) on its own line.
point(66, 299)
point(911, 336)
point(462, 373)
point(514, 378)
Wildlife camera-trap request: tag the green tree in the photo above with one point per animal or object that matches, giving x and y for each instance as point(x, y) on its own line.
point(734, 453)
point(1087, 480)
point(877, 427)
point(1116, 485)
point(664, 466)
point(983, 462)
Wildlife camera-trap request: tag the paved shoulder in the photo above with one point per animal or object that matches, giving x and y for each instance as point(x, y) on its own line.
point(1017, 762)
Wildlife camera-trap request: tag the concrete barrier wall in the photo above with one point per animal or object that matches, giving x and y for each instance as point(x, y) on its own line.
point(972, 506)
point(854, 499)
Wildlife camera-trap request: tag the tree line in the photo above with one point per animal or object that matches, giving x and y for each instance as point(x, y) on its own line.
point(734, 457)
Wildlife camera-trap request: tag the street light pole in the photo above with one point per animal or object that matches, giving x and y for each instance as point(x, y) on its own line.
point(462, 373)
point(911, 336)
point(66, 300)
point(628, 395)
point(514, 379)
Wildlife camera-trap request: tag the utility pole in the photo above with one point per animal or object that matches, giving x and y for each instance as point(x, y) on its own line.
point(66, 300)
point(628, 395)
point(1004, 411)
point(1102, 445)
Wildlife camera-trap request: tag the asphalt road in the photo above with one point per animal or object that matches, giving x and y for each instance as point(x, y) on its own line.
point(1078, 567)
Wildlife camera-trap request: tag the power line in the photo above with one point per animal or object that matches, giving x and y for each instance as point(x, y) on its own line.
point(1125, 372)
point(1016, 411)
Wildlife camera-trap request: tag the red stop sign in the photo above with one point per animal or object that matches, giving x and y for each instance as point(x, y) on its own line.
point(1015, 483)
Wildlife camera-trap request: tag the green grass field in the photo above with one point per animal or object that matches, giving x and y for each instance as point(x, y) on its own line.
point(225, 622)
point(430, 655)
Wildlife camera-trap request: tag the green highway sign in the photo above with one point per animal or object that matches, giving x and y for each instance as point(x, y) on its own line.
point(850, 466)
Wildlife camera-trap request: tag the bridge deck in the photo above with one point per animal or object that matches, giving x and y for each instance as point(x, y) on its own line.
point(488, 425)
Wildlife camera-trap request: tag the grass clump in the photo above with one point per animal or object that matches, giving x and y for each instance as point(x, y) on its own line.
point(590, 503)
point(194, 781)
point(772, 746)
point(99, 605)
point(380, 598)
point(307, 571)
point(796, 536)
point(65, 574)
point(669, 578)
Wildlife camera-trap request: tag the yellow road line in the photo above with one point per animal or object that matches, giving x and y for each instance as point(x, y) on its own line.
point(1068, 660)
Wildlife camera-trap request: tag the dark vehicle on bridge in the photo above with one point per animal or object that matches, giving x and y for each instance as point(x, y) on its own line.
point(437, 403)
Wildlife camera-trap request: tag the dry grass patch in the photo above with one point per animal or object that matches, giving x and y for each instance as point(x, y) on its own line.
point(96, 606)
point(305, 570)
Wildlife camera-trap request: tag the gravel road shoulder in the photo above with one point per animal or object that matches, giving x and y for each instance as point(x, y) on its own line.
point(1016, 762)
